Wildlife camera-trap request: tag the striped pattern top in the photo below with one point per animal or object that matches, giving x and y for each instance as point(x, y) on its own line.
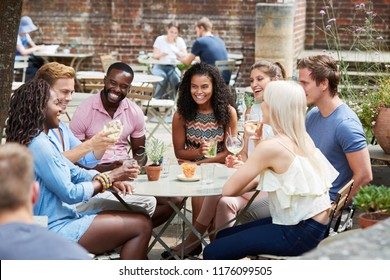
point(204, 127)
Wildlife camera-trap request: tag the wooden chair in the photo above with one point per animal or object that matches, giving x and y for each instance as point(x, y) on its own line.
point(107, 60)
point(140, 68)
point(335, 216)
point(141, 95)
point(339, 206)
point(91, 85)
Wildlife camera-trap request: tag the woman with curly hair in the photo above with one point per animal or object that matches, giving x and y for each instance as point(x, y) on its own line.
point(205, 110)
point(34, 109)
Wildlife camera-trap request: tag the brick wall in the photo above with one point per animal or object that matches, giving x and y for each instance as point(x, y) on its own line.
point(102, 26)
point(346, 15)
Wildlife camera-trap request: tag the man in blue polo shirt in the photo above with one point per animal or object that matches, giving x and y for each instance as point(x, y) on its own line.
point(208, 47)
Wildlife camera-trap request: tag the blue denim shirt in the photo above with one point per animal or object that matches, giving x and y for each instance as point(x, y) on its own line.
point(62, 185)
point(71, 141)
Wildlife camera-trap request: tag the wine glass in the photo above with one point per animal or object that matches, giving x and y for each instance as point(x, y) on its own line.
point(234, 144)
point(115, 127)
point(252, 123)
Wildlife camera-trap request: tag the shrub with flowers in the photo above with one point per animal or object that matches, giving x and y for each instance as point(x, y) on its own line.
point(367, 91)
point(368, 109)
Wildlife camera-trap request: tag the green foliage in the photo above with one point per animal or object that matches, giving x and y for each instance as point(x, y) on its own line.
point(249, 100)
point(154, 150)
point(371, 102)
point(373, 198)
point(368, 91)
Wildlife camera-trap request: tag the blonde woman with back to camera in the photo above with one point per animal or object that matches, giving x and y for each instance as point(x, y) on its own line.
point(296, 176)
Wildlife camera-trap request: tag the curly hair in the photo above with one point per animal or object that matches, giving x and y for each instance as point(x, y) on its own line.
point(27, 111)
point(220, 100)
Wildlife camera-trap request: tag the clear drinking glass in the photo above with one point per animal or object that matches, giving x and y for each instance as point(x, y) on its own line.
point(116, 129)
point(212, 152)
point(234, 144)
point(252, 123)
point(165, 167)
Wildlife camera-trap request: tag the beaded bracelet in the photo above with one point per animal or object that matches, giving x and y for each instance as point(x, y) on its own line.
point(104, 180)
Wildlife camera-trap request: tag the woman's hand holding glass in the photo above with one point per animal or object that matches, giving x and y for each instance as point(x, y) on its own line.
point(233, 162)
point(253, 127)
point(208, 148)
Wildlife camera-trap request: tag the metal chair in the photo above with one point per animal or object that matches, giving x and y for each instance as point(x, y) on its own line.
point(228, 65)
point(20, 66)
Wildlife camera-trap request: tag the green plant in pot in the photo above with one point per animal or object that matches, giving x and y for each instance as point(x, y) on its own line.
point(154, 151)
point(375, 202)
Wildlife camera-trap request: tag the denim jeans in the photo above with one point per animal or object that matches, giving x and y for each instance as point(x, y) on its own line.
point(264, 237)
point(166, 88)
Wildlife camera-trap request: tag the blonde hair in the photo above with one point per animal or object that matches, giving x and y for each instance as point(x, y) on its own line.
point(16, 176)
point(51, 72)
point(287, 109)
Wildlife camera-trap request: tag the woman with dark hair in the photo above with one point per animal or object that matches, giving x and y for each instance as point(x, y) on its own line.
point(34, 109)
point(206, 110)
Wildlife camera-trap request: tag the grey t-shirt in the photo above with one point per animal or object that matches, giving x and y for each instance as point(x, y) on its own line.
point(22, 241)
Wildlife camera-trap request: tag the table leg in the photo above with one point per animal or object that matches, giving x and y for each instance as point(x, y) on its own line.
point(80, 60)
point(157, 236)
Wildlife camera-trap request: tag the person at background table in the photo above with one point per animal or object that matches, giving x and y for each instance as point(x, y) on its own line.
point(21, 238)
point(219, 210)
point(111, 103)
point(87, 154)
point(205, 110)
point(297, 177)
point(25, 46)
point(335, 128)
point(34, 110)
point(166, 48)
point(207, 47)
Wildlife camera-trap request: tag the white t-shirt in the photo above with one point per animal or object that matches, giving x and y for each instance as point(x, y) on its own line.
point(172, 49)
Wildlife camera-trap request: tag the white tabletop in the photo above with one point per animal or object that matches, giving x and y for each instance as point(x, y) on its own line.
point(172, 187)
point(138, 77)
point(152, 61)
point(62, 54)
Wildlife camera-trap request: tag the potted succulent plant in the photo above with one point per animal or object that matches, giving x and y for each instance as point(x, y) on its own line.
point(375, 202)
point(154, 150)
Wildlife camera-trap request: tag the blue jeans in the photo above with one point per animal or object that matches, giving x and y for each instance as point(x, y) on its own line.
point(264, 237)
point(166, 88)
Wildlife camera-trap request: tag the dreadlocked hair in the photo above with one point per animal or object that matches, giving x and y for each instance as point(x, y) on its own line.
point(27, 111)
point(220, 100)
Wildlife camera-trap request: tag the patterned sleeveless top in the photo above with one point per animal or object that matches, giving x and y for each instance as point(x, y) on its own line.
point(205, 127)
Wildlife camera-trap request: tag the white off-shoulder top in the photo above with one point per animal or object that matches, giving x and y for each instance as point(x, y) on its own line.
point(301, 192)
